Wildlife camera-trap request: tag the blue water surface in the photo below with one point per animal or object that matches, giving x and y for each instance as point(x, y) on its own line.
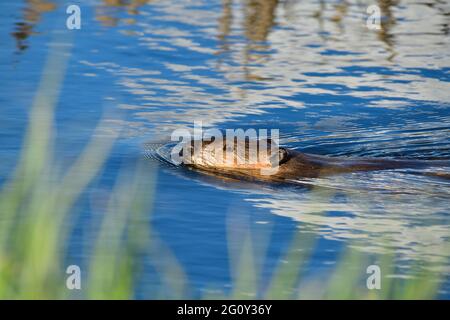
point(314, 71)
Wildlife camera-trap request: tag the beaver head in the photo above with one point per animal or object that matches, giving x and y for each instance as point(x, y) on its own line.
point(237, 154)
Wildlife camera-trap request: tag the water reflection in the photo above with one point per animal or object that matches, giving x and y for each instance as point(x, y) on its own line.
point(387, 24)
point(32, 14)
point(108, 12)
point(377, 221)
point(287, 55)
point(311, 69)
point(375, 213)
point(259, 20)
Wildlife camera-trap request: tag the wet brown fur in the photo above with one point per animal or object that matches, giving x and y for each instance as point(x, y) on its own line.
point(294, 165)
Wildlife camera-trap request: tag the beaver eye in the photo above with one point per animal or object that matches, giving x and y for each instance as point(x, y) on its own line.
point(282, 155)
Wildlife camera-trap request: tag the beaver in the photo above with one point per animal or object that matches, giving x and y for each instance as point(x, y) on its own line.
point(265, 160)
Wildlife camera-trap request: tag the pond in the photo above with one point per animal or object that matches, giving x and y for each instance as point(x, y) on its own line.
point(311, 69)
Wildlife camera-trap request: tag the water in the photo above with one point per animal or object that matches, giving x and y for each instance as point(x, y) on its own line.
point(310, 69)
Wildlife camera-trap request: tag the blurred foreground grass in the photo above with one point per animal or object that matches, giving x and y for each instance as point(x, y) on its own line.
point(37, 209)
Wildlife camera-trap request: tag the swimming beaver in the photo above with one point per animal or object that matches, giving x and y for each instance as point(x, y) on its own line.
point(253, 159)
